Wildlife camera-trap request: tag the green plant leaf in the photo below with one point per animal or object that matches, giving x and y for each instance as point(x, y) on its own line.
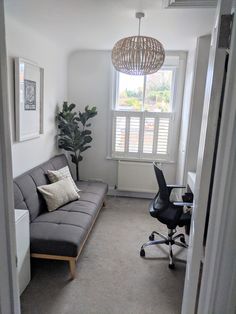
point(86, 132)
point(84, 148)
point(74, 159)
point(71, 107)
point(65, 106)
point(87, 139)
point(72, 135)
point(80, 158)
point(82, 118)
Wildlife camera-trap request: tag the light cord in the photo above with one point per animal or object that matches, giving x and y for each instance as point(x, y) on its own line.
point(139, 26)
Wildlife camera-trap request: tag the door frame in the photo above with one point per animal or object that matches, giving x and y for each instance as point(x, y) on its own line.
point(212, 101)
point(9, 292)
point(217, 294)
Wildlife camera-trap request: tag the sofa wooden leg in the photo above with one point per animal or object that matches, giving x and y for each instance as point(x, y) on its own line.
point(104, 204)
point(72, 264)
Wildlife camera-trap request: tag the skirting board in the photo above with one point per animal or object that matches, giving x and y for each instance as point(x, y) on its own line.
point(114, 192)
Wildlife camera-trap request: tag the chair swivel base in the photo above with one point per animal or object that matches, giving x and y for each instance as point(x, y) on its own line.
point(168, 240)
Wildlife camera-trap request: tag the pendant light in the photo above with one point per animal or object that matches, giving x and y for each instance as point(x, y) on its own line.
point(138, 55)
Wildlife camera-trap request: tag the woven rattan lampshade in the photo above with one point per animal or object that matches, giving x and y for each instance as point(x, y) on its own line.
point(138, 55)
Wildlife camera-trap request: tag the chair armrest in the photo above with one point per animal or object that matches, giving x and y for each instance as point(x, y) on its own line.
point(183, 204)
point(175, 186)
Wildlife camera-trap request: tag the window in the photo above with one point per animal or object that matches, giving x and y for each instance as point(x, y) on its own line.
point(144, 124)
point(151, 93)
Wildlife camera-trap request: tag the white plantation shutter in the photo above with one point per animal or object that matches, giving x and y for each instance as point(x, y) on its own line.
point(163, 136)
point(142, 135)
point(149, 125)
point(134, 129)
point(120, 134)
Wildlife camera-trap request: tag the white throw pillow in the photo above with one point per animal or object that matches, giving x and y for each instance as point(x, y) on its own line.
point(58, 193)
point(56, 175)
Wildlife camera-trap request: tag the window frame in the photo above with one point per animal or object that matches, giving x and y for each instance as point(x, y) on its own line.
point(176, 60)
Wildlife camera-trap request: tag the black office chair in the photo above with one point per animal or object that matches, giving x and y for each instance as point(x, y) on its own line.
point(169, 213)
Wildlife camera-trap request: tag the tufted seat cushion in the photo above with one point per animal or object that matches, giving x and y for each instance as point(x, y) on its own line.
point(63, 231)
point(59, 232)
point(56, 239)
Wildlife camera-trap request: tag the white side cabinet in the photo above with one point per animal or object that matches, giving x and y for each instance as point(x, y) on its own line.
point(22, 247)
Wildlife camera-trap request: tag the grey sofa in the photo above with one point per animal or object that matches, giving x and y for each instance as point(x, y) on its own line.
point(60, 234)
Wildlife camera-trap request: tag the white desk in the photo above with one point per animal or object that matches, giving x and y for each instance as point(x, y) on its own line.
point(22, 247)
point(191, 180)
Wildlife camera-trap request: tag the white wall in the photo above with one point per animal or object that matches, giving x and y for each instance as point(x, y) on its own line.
point(184, 129)
point(192, 108)
point(26, 43)
point(202, 57)
point(89, 84)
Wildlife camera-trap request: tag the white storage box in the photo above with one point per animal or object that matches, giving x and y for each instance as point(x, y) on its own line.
point(22, 247)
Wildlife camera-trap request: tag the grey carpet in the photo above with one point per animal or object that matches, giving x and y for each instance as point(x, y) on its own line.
point(111, 277)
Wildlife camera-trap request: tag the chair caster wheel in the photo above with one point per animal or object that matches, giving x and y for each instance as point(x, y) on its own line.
point(142, 253)
point(182, 239)
point(151, 237)
point(172, 266)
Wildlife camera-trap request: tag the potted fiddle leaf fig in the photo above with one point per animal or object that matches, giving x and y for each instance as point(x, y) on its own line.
point(74, 133)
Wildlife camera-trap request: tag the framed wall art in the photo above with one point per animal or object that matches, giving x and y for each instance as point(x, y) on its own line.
point(29, 83)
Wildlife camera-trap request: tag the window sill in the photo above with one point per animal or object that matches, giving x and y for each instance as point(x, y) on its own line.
point(140, 160)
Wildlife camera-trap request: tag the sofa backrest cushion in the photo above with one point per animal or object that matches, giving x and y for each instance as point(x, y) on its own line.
point(26, 195)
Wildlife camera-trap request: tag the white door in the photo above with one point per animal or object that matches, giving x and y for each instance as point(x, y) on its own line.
point(9, 296)
point(209, 131)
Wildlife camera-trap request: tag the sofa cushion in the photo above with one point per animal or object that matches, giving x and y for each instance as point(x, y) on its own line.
point(81, 207)
point(78, 219)
point(59, 233)
point(92, 192)
point(95, 187)
point(26, 195)
point(58, 162)
point(56, 238)
point(91, 198)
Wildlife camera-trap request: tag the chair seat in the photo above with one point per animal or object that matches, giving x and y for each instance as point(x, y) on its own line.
point(171, 215)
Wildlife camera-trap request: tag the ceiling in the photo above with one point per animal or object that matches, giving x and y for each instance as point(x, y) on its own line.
point(98, 24)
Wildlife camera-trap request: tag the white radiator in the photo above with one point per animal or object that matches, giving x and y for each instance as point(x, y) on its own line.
point(136, 177)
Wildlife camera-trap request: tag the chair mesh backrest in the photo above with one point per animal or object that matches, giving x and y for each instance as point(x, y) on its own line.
point(163, 190)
